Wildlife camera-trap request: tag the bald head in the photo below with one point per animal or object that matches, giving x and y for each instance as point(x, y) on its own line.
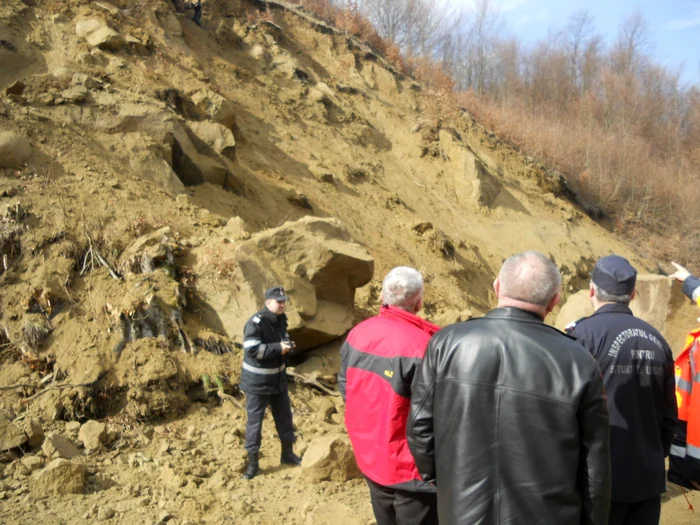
point(529, 278)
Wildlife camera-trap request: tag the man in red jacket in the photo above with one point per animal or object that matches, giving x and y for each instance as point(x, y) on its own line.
point(379, 359)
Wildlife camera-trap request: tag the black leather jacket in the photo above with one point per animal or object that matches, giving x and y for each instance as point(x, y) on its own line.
point(509, 418)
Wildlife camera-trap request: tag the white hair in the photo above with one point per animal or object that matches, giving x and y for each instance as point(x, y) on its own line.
point(529, 277)
point(605, 297)
point(402, 287)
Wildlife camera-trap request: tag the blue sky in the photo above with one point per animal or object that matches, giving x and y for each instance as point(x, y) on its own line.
point(675, 24)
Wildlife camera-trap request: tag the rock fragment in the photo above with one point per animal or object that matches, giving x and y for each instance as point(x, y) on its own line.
point(329, 458)
point(58, 478)
point(93, 434)
point(59, 446)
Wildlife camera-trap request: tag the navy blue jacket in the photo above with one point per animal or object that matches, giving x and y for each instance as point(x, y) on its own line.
point(637, 367)
point(263, 363)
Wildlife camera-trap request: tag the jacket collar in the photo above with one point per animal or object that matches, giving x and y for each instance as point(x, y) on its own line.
point(614, 308)
point(274, 318)
point(515, 314)
point(402, 315)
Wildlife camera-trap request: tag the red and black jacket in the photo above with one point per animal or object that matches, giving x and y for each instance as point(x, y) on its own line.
point(379, 360)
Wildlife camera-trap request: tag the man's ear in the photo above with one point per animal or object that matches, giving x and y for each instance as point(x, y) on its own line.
point(419, 305)
point(554, 301)
point(591, 291)
point(633, 294)
point(496, 286)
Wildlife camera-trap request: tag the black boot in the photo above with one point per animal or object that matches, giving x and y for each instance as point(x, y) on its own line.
point(288, 456)
point(252, 468)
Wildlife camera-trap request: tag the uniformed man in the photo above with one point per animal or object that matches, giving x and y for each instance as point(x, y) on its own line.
point(684, 462)
point(266, 344)
point(637, 367)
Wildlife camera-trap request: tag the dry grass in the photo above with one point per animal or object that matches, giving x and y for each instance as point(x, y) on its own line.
point(650, 197)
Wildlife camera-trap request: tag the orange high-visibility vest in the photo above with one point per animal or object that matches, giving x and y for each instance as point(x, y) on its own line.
point(687, 382)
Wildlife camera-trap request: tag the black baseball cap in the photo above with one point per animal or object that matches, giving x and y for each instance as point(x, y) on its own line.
point(614, 275)
point(276, 293)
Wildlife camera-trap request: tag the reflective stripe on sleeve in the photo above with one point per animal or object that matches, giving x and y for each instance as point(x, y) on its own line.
point(263, 371)
point(678, 451)
point(682, 384)
point(260, 354)
point(692, 451)
point(248, 343)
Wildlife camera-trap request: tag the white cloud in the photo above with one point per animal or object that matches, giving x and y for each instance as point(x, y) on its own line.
point(682, 23)
point(678, 24)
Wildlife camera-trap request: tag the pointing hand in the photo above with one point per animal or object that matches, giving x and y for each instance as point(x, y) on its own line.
point(681, 274)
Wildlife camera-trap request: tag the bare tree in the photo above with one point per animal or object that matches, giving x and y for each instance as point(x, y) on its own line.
point(579, 32)
point(389, 18)
point(483, 38)
point(630, 52)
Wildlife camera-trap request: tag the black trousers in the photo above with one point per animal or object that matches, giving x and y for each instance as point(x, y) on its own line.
point(197, 16)
point(645, 512)
point(255, 405)
point(402, 507)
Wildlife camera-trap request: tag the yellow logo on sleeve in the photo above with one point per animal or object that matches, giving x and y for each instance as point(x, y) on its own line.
point(389, 373)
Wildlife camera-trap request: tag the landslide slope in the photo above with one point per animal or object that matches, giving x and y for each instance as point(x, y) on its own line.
point(128, 130)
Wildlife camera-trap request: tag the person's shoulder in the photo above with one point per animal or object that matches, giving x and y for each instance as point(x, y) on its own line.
point(255, 319)
point(577, 324)
point(362, 327)
point(597, 322)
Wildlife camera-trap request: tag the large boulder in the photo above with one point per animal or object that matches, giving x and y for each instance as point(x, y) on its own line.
point(11, 436)
point(14, 150)
point(58, 478)
point(659, 301)
point(98, 34)
point(314, 259)
point(194, 167)
point(215, 136)
point(474, 185)
point(329, 458)
point(143, 136)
